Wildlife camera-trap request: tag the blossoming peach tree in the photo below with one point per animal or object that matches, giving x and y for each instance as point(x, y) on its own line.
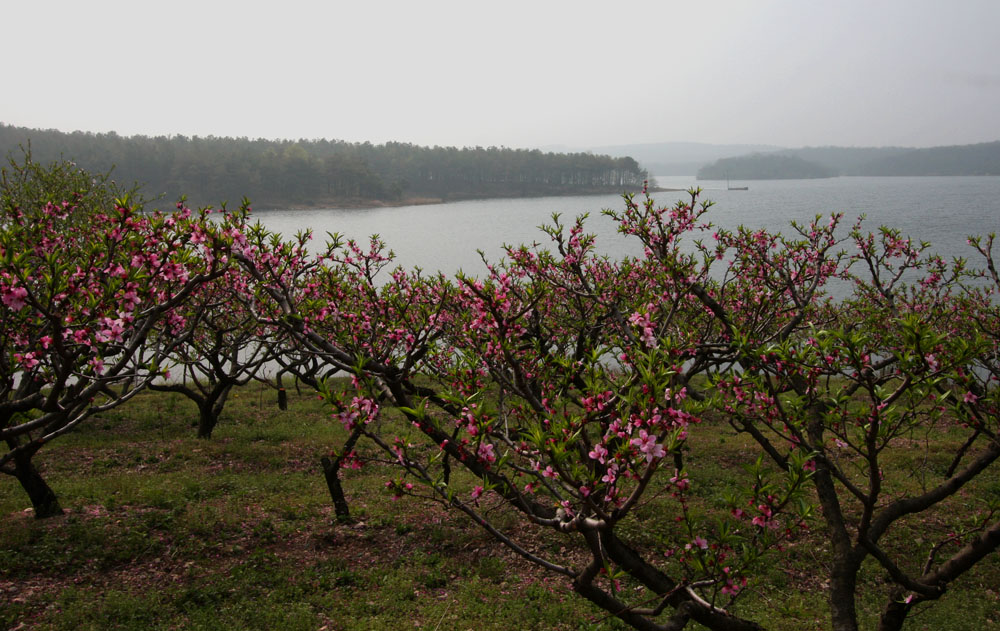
point(340, 319)
point(568, 386)
point(229, 346)
point(897, 368)
point(94, 294)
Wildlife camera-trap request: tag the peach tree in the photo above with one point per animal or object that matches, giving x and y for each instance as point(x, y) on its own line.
point(93, 294)
point(566, 386)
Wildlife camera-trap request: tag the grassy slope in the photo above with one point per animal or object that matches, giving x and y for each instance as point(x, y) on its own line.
point(164, 531)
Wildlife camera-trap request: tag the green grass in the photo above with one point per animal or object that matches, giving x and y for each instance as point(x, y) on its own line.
point(166, 531)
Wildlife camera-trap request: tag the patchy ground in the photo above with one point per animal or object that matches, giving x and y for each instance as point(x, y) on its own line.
point(166, 531)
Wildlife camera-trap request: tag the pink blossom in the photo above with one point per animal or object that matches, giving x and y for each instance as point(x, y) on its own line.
point(731, 588)
point(642, 321)
point(130, 300)
point(697, 542)
point(681, 482)
point(113, 331)
point(15, 297)
point(647, 444)
point(598, 453)
point(567, 507)
point(348, 418)
point(486, 452)
point(27, 360)
point(680, 395)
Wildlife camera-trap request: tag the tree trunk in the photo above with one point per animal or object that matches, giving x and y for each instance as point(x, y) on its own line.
point(846, 560)
point(330, 470)
point(210, 410)
point(895, 612)
point(282, 395)
point(206, 420)
point(43, 499)
point(843, 584)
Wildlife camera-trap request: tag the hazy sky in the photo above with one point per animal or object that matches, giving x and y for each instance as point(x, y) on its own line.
point(513, 73)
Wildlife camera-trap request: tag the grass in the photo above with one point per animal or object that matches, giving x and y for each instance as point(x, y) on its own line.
point(166, 531)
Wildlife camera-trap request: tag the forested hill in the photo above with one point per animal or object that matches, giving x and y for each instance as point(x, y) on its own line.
point(810, 162)
point(763, 166)
point(281, 173)
point(980, 159)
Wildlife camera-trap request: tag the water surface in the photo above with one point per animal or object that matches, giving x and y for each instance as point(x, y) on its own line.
point(446, 237)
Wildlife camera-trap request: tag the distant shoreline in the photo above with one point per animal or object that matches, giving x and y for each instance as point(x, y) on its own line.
point(340, 203)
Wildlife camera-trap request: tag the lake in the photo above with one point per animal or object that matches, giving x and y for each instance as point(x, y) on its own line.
point(942, 210)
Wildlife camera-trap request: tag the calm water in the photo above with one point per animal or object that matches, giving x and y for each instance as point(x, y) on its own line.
point(942, 210)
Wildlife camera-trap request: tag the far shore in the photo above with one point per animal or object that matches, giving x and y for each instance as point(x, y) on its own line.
point(340, 202)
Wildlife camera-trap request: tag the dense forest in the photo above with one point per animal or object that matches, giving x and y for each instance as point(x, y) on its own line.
point(811, 162)
point(764, 166)
point(979, 159)
point(276, 173)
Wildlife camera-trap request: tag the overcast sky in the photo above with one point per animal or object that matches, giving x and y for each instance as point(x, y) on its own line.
point(513, 73)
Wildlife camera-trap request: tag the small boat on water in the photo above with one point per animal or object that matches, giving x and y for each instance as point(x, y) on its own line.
point(730, 187)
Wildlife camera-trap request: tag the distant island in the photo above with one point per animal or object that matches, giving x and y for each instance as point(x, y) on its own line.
point(820, 162)
point(324, 173)
point(674, 158)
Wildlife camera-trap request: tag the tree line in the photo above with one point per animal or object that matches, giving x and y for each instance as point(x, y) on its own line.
point(276, 173)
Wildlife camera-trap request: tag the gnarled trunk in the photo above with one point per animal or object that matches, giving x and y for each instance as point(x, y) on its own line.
point(846, 560)
point(210, 409)
point(331, 471)
point(895, 611)
point(42, 497)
